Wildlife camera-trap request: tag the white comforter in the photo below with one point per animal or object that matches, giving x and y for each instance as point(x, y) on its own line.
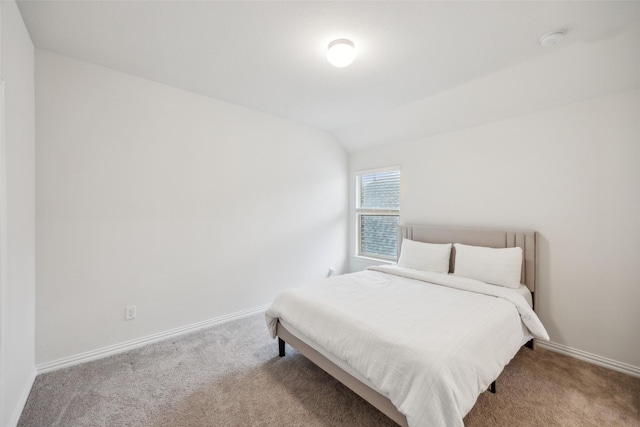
point(431, 349)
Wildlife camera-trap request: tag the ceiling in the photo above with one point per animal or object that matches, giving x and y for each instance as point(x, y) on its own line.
point(422, 67)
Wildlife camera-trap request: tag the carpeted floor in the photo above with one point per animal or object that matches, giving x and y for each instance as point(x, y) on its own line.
point(231, 375)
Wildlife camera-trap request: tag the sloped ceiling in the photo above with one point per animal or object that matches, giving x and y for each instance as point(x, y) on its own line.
point(421, 67)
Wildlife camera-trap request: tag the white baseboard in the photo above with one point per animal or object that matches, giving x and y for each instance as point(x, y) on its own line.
point(15, 416)
point(591, 358)
point(139, 342)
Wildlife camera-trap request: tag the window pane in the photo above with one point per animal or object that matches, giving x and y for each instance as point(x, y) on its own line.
point(380, 190)
point(379, 235)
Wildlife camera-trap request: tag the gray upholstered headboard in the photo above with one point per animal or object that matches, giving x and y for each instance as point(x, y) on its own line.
point(489, 237)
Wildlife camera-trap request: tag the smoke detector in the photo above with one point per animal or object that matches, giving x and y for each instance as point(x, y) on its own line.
point(551, 39)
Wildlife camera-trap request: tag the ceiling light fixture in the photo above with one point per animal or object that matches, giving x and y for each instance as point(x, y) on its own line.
point(551, 39)
point(341, 53)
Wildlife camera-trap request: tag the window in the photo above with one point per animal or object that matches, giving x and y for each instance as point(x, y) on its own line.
point(378, 213)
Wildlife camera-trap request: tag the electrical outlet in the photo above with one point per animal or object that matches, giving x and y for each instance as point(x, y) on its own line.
point(130, 312)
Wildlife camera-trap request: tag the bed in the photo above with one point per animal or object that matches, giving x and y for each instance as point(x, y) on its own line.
point(422, 339)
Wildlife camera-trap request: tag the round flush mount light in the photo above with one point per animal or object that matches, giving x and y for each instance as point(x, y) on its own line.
point(551, 39)
point(341, 53)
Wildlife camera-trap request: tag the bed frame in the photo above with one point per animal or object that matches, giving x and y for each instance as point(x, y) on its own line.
point(489, 237)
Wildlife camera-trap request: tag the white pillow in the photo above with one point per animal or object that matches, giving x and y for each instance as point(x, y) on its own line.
point(425, 256)
point(501, 267)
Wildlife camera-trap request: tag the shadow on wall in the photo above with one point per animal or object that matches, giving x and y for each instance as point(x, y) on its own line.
point(544, 291)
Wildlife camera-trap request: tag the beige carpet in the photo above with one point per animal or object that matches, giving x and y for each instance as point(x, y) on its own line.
point(230, 375)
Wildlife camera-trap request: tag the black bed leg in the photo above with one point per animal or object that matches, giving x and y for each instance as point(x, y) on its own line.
point(529, 344)
point(492, 387)
point(281, 347)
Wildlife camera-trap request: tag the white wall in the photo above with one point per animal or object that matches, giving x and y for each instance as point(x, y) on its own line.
point(572, 173)
point(17, 215)
point(187, 207)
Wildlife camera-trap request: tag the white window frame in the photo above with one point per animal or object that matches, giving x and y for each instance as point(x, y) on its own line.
point(362, 211)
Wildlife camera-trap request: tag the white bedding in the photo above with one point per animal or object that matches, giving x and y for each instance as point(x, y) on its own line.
point(431, 349)
point(526, 293)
